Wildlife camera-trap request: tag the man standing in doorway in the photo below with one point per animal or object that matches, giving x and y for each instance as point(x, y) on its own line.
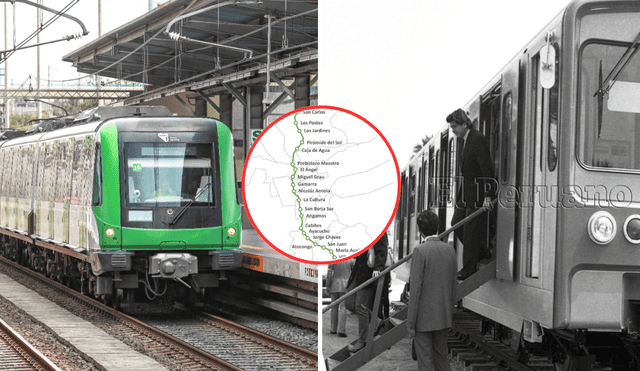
point(476, 187)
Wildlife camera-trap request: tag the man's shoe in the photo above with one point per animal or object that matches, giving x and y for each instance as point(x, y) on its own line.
point(463, 276)
point(486, 256)
point(342, 334)
point(356, 347)
point(332, 332)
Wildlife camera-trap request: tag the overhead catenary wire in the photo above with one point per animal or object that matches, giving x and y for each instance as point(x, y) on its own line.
point(129, 54)
point(209, 45)
point(177, 35)
point(61, 13)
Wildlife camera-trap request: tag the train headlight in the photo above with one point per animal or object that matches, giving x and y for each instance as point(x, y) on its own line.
point(110, 232)
point(231, 232)
point(632, 229)
point(602, 227)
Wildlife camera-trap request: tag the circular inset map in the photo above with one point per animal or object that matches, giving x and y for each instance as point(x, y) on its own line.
point(321, 184)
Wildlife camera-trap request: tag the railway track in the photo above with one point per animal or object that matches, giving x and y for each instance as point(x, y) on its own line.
point(480, 351)
point(172, 352)
point(239, 345)
point(17, 354)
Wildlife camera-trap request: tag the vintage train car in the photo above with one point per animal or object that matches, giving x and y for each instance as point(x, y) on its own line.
point(128, 198)
point(563, 122)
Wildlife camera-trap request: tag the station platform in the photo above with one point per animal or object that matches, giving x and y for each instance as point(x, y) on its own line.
point(79, 333)
point(259, 256)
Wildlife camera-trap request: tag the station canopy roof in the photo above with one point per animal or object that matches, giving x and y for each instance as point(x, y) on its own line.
point(218, 42)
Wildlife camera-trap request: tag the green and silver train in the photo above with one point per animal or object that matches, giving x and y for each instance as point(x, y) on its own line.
point(132, 199)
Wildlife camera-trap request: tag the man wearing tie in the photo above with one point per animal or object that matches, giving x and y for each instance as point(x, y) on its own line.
point(476, 187)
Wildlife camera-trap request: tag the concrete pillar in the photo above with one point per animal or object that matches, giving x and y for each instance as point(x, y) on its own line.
point(303, 91)
point(201, 107)
point(226, 110)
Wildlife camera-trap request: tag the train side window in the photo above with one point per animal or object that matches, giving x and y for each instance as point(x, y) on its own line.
point(62, 170)
point(506, 136)
point(49, 180)
point(430, 176)
point(97, 178)
point(15, 171)
point(2, 178)
point(434, 180)
point(412, 191)
point(552, 155)
point(22, 161)
point(31, 151)
point(40, 176)
point(78, 173)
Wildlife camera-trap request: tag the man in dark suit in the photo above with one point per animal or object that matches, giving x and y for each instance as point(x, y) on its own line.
point(360, 273)
point(476, 187)
point(431, 295)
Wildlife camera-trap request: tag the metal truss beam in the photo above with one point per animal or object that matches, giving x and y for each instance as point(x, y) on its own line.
point(67, 94)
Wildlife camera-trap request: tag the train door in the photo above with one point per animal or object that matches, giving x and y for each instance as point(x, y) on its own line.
point(443, 180)
point(505, 148)
point(401, 218)
point(423, 186)
point(412, 239)
point(537, 183)
point(490, 119)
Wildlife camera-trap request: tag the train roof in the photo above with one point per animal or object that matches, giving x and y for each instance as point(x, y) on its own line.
point(87, 122)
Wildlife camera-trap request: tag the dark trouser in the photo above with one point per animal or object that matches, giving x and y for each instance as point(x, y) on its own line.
point(473, 236)
point(338, 314)
point(364, 303)
point(383, 312)
point(431, 349)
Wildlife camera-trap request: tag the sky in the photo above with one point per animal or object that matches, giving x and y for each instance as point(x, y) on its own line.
point(404, 66)
point(24, 63)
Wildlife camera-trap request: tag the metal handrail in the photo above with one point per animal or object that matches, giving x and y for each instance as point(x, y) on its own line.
point(401, 261)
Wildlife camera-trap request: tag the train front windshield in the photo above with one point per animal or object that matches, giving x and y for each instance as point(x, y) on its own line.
point(609, 121)
point(169, 174)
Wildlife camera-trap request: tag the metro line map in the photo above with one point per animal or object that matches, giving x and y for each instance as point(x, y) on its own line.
point(321, 184)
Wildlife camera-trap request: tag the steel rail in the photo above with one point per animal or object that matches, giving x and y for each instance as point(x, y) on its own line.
point(304, 355)
point(32, 356)
point(131, 322)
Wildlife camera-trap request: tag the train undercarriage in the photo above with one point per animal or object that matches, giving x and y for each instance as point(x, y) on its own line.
point(573, 350)
point(146, 276)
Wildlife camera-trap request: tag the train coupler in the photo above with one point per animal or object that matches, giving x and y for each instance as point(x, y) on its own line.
point(174, 266)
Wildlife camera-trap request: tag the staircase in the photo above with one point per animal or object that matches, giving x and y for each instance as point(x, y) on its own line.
point(383, 335)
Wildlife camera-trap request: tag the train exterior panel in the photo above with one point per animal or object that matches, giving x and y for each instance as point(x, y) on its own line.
point(113, 203)
point(562, 119)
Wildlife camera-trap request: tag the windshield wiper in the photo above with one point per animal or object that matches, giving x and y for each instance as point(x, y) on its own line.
point(607, 84)
point(188, 205)
point(611, 79)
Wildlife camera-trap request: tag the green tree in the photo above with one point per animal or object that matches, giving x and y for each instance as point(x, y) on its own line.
point(418, 146)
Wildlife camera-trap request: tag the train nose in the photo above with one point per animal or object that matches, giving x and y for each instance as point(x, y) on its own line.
point(173, 265)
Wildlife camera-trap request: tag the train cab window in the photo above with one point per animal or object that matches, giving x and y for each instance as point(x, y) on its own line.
point(609, 130)
point(97, 178)
point(168, 174)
